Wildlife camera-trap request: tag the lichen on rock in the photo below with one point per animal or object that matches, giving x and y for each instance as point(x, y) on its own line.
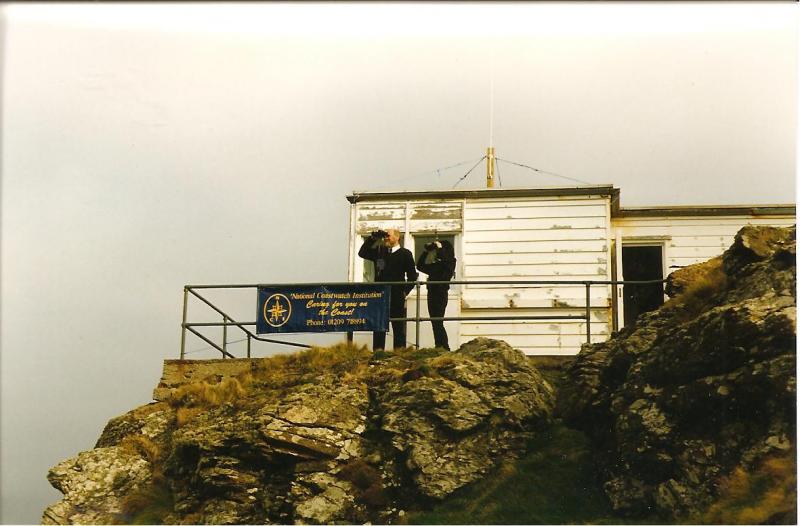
point(329, 435)
point(702, 386)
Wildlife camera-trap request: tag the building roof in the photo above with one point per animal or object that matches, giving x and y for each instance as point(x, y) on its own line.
point(598, 190)
point(484, 193)
point(708, 210)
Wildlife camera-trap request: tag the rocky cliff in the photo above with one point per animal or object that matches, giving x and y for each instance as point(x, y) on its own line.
point(689, 414)
point(327, 435)
point(694, 405)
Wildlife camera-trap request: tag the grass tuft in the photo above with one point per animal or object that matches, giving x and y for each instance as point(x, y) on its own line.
point(763, 495)
point(184, 415)
point(283, 370)
point(204, 394)
point(702, 291)
point(149, 504)
point(143, 446)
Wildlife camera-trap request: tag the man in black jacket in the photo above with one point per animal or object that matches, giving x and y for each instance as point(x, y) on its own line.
point(438, 261)
point(392, 263)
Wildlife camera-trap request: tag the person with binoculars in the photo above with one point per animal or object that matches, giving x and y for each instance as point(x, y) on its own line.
point(438, 261)
point(392, 263)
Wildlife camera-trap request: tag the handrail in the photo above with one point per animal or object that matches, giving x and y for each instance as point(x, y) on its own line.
point(228, 321)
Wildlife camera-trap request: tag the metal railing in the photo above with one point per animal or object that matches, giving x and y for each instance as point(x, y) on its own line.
point(228, 321)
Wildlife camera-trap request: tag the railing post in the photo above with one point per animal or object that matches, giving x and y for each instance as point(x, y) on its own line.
point(588, 314)
point(417, 320)
point(248, 346)
point(224, 336)
point(183, 323)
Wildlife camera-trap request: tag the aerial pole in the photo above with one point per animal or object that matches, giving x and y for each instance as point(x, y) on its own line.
point(490, 149)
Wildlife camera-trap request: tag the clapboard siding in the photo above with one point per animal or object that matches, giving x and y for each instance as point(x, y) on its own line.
point(547, 239)
point(537, 247)
point(689, 240)
point(538, 223)
point(575, 270)
point(572, 210)
point(538, 258)
point(539, 201)
point(562, 337)
point(516, 236)
point(475, 301)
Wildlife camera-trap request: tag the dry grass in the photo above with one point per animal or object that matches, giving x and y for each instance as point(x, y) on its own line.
point(757, 497)
point(204, 394)
point(184, 415)
point(444, 361)
point(702, 292)
point(142, 445)
point(149, 504)
point(349, 361)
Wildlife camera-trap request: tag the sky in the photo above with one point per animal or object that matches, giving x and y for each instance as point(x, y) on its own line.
point(146, 147)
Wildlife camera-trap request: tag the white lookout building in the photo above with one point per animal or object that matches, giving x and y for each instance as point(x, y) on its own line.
point(548, 234)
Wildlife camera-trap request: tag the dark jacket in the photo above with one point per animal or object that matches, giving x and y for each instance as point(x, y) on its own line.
point(439, 265)
point(395, 266)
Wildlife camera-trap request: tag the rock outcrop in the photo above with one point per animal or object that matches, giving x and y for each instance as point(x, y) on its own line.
point(699, 388)
point(336, 435)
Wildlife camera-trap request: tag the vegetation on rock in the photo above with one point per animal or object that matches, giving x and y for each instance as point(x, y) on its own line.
point(325, 435)
point(686, 404)
point(687, 416)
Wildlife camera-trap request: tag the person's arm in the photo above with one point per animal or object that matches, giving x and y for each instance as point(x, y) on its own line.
point(421, 265)
point(450, 265)
point(410, 271)
point(369, 250)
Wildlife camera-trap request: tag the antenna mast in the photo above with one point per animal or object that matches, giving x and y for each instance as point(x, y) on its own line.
point(490, 149)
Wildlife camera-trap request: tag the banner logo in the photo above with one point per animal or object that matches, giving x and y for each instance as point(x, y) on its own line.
point(277, 310)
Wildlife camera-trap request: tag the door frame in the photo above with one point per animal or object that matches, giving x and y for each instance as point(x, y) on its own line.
point(621, 241)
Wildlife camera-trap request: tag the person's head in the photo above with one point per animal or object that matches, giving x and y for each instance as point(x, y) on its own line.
point(393, 238)
point(447, 249)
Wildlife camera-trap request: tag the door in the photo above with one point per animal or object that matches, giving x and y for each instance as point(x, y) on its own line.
point(642, 263)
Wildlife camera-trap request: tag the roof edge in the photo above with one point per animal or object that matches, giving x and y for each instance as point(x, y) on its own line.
point(707, 210)
point(486, 193)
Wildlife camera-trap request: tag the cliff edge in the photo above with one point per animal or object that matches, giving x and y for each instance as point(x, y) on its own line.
point(322, 436)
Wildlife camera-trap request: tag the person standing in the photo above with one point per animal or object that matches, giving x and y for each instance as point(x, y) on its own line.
point(392, 263)
point(438, 261)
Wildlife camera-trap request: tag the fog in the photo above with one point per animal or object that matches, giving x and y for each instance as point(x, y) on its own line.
point(146, 147)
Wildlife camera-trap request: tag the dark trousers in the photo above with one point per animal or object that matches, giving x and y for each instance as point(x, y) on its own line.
point(397, 309)
point(437, 303)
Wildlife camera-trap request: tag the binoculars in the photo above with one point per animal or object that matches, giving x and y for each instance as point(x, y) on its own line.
point(431, 246)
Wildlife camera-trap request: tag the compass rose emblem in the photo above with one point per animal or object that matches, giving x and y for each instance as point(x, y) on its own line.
point(277, 310)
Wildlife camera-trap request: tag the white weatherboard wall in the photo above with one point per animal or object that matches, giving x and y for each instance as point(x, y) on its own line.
point(562, 238)
point(543, 235)
point(685, 240)
point(690, 240)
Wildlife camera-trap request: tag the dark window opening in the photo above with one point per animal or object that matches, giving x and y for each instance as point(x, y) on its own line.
point(641, 264)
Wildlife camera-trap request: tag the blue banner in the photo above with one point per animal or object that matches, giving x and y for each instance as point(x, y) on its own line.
point(323, 308)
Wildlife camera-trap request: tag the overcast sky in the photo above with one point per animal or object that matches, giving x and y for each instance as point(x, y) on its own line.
point(146, 147)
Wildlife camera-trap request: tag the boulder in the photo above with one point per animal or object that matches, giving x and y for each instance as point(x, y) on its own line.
point(287, 441)
point(697, 388)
